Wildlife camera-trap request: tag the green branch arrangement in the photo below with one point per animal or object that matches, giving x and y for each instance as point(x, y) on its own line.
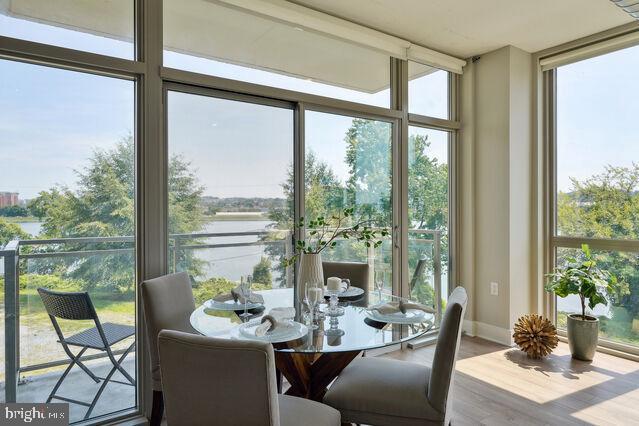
point(324, 232)
point(585, 279)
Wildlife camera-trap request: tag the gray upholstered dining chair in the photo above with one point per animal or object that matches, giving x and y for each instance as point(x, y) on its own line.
point(356, 272)
point(231, 382)
point(379, 391)
point(168, 303)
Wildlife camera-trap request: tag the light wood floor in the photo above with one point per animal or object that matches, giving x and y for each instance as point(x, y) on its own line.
point(497, 385)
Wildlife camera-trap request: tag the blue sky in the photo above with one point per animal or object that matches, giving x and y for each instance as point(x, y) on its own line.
point(597, 115)
point(52, 120)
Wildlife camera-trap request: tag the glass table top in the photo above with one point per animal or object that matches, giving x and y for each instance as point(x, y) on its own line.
point(353, 331)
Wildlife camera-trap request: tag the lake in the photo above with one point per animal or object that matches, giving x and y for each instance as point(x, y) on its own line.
point(227, 262)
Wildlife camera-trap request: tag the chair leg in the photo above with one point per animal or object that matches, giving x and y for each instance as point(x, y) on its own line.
point(278, 379)
point(157, 410)
point(116, 367)
point(74, 360)
point(117, 364)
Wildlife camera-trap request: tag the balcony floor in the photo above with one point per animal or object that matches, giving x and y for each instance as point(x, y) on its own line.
point(78, 385)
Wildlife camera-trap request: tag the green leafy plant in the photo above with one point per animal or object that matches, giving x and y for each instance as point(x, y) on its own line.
point(583, 278)
point(324, 232)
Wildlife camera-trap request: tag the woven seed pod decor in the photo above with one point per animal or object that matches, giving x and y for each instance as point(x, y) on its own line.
point(535, 335)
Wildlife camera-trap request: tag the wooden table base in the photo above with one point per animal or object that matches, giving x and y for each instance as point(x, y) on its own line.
point(309, 374)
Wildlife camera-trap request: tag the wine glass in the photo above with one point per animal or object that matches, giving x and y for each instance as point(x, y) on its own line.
point(245, 291)
point(379, 284)
point(313, 294)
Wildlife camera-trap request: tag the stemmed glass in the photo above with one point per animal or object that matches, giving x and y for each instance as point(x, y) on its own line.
point(379, 284)
point(245, 291)
point(313, 295)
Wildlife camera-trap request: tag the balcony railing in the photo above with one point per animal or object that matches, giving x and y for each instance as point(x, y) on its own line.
point(16, 251)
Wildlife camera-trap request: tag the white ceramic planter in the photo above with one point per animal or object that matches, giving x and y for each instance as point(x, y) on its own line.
point(310, 272)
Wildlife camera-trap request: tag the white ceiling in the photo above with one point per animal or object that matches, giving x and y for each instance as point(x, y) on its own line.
point(465, 28)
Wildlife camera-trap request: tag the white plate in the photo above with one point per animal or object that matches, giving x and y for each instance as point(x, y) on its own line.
point(285, 332)
point(350, 292)
point(412, 316)
point(229, 305)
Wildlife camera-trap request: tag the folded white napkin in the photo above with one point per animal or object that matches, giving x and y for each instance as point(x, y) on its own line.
point(236, 295)
point(274, 319)
point(401, 306)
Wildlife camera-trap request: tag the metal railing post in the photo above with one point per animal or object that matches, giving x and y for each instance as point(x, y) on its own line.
point(11, 326)
point(288, 248)
point(437, 269)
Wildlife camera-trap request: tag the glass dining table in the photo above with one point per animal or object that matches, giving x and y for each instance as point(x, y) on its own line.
point(311, 360)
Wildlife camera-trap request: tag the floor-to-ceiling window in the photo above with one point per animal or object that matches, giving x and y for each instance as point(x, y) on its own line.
point(429, 182)
point(428, 214)
point(230, 192)
point(596, 181)
point(67, 215)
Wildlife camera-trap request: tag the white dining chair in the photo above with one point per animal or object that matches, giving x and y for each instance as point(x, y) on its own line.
point(379, 391)
point(210, 381)
point(168, 303)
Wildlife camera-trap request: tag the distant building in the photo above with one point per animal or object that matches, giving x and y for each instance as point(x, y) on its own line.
point(9, 199)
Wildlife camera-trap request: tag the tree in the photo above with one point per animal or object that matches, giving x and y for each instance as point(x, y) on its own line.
point(606, 205)
point(427, 187)
point(11, 231)
point(103, 206)
point(368, 190)
point(262, 272)
point(323, 191)
point(14, 211)
point(368, 156)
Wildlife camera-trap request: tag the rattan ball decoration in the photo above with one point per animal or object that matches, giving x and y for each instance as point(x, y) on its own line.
point(535, 335)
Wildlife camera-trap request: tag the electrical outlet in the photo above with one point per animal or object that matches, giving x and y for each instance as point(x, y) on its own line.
point(494, 289)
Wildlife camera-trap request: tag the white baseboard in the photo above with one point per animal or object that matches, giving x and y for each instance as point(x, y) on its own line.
point(488, 332)
point(469, 328)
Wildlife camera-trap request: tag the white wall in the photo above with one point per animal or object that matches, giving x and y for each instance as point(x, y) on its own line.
point(496, 191)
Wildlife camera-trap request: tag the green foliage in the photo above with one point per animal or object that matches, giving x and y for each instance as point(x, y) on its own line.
point(368, 192)
point(583, 278)
point(368, 156)
point(11, 231)
point(103, 206)
point(323, 234)
point(14, 211)
point(427, 187)
point(606, 205)
point(262, 272)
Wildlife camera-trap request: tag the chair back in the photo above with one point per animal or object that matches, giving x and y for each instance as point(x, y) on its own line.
point(70, 306)
point(443, 369)
point(168, 303)
point(356, 272)
point(218, 381)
